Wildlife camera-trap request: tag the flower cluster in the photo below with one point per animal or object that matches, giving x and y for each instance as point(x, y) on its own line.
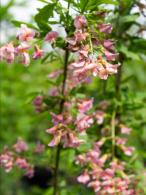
point(94, 56)
point(104, 173)
point(62, 132)
point(10, 158)
point(102, 178)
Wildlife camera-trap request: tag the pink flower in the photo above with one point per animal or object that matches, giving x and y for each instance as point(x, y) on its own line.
point(52, 130)
point(56, 139)
point(7, 160)
point(103, 73)
point(25, 59)
point(39, 148)
point(93, 155)
point(99, 116)
point(64, 118)
point(38, 103)
point(55, 74)
point(38, 52)
point(7, 52)
point(22, 52)
point(29, 172)
point(112, 68)
point(107, 174)
point(110, 56)
point(80, 36)
point(105, 28)
point(115, 165)
point(51, 36)
point(22, 48)
point(80, 22)
point(83, 52)
point(54, 91)
point(85, 105)
point(25, 33)
point(20, 146)
point(70, 140)
point(108, 44)
point(84, 178)
point(96, 185)
point(80, 159)
point(83, 122)
point(22, 163)
point(121, 141)
point(128, 150)
point(56, 119)
point(124, 129)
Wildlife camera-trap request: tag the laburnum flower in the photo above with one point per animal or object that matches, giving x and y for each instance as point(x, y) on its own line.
point(110, 56)
point(20, 146)
point(101, 178)
point(51, 36)
point(7, 160)
point(107, 174)
point(56, 139)
point(117, 165)
point(99, 68)
point(105, 28)
point(22, 52)
point(38, 52)
point(85, 105)
point(61, 118)
point(95, 184)
point(124, 129)
point(29, 172)
point(39, 148)
point(80, 159)
point(108, 44)
point(21, 163)
point(128, 150)
point(25, 34)
point(61, 132)
point(80, 22)
point(71, 140)
point(83, 122)
point(24, 165)
point(54, 91)
point(55, 74)
point(38, 103)
point(25, 59)
point(93, 155)
point(7, 52)
point(99, 116)
point(80, 36)
point(64, 134)
point(84, 178)
point(121, 141)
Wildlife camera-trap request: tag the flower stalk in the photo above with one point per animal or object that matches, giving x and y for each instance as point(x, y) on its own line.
point(56, 171)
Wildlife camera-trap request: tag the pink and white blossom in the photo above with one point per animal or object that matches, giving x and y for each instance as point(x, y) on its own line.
point(80, 22)
point(51, 36)
point(25, 34)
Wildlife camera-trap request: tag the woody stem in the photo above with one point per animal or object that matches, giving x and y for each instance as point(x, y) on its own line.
point(56, 171)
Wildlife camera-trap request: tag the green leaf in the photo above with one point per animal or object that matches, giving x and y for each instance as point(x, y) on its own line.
point(128, 18)
point(43, 1)
point(18, 24)
point(129, 54)
point(43, 16)
point(86, 5)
